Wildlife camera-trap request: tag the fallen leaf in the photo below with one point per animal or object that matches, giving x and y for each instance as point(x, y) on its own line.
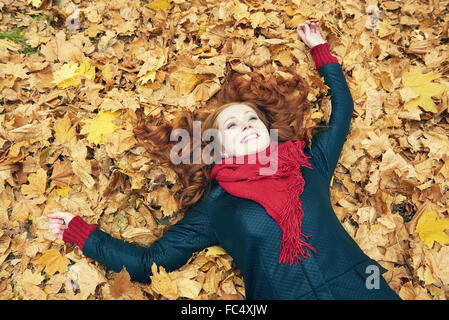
point(70, 74)
point(423, 86)
point(122, 287)
point(214, 251)
point(67, 75)
point(102, 124)
point(431, 230)
point(162, 284)
point(159, 5)
point(53, 262)
point(65, 133)
point(37, 183)
point(87, 277)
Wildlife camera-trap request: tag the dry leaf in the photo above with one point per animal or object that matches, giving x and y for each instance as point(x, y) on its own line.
point(163, 57)
point(102, 124)
point(424, 87)
point(37, 185)
point(123, 287)
point(53, 262)
point(431, 230)
point(162, 284)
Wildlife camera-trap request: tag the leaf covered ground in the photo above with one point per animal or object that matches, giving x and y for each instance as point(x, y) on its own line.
point(74, 74)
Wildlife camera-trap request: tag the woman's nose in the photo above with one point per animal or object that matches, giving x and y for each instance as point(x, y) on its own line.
point(246, 126)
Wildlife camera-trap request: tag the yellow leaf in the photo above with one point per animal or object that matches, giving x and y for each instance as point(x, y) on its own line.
point(202, 28)
point(53, 262)
point(186, 81)
point(290, 10)
point(100, 125)
point(63, 192)
point(159, 5)
point(67, 75)
point(423, 86)
point(430, 229)
point(87, 70)
point(37, 183)
point(215, 251)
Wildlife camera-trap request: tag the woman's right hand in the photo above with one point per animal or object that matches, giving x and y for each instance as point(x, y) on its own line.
point(59, 221)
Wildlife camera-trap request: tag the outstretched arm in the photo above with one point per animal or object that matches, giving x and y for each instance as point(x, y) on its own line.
point(172, 250)
point(328, 145)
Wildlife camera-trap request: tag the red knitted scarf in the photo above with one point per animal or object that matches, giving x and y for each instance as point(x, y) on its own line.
point(278, 192)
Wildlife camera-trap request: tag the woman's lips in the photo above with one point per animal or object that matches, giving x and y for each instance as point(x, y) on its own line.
point(250, 136)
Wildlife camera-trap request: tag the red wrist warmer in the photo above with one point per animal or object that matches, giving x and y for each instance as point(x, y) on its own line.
point(78, 231)
point(322, 55)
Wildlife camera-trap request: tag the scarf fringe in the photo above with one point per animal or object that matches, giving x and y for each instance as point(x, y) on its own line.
point(293, 248)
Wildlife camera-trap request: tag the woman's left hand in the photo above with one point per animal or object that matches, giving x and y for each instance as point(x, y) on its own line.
point(310, 33)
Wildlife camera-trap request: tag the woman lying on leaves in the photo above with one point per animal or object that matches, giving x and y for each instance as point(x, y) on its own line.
point(279, 226)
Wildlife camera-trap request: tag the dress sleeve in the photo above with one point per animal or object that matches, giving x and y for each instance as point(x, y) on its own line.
point(327, 145)
point(172, 250)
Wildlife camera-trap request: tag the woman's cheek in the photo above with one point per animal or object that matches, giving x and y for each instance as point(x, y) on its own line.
point(230, 143)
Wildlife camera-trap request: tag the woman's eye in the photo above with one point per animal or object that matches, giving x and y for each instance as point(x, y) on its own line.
point(232, 124)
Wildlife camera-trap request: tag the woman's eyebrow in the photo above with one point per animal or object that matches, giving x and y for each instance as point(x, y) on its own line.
point(234, 117)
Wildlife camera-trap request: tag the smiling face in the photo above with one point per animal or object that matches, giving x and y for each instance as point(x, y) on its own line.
point(242, 131)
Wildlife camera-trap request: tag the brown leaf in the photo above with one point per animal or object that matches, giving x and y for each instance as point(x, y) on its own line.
point(122, 287)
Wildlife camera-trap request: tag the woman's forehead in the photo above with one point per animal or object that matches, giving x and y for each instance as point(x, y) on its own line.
point(234, 109)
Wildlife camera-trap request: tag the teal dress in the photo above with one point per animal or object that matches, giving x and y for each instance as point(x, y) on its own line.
point(338, 270)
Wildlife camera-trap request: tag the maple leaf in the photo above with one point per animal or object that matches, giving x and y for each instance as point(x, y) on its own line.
point(86, 276)
point(62, 175)
point(149, 68)
point(69, 74)
point(100, 125)
point(162, 284)
point(123, 287)
point(66, 76)
point(423, 86)
point(164, 198)
point(431, 230)
point(64, 131)
point(86, 70)
point(63, 192)
point(38, 183)
point(28, 277)
point(159, 5)
point(53, 262)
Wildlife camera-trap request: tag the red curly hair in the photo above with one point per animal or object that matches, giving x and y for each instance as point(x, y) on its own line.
point(281, 103)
